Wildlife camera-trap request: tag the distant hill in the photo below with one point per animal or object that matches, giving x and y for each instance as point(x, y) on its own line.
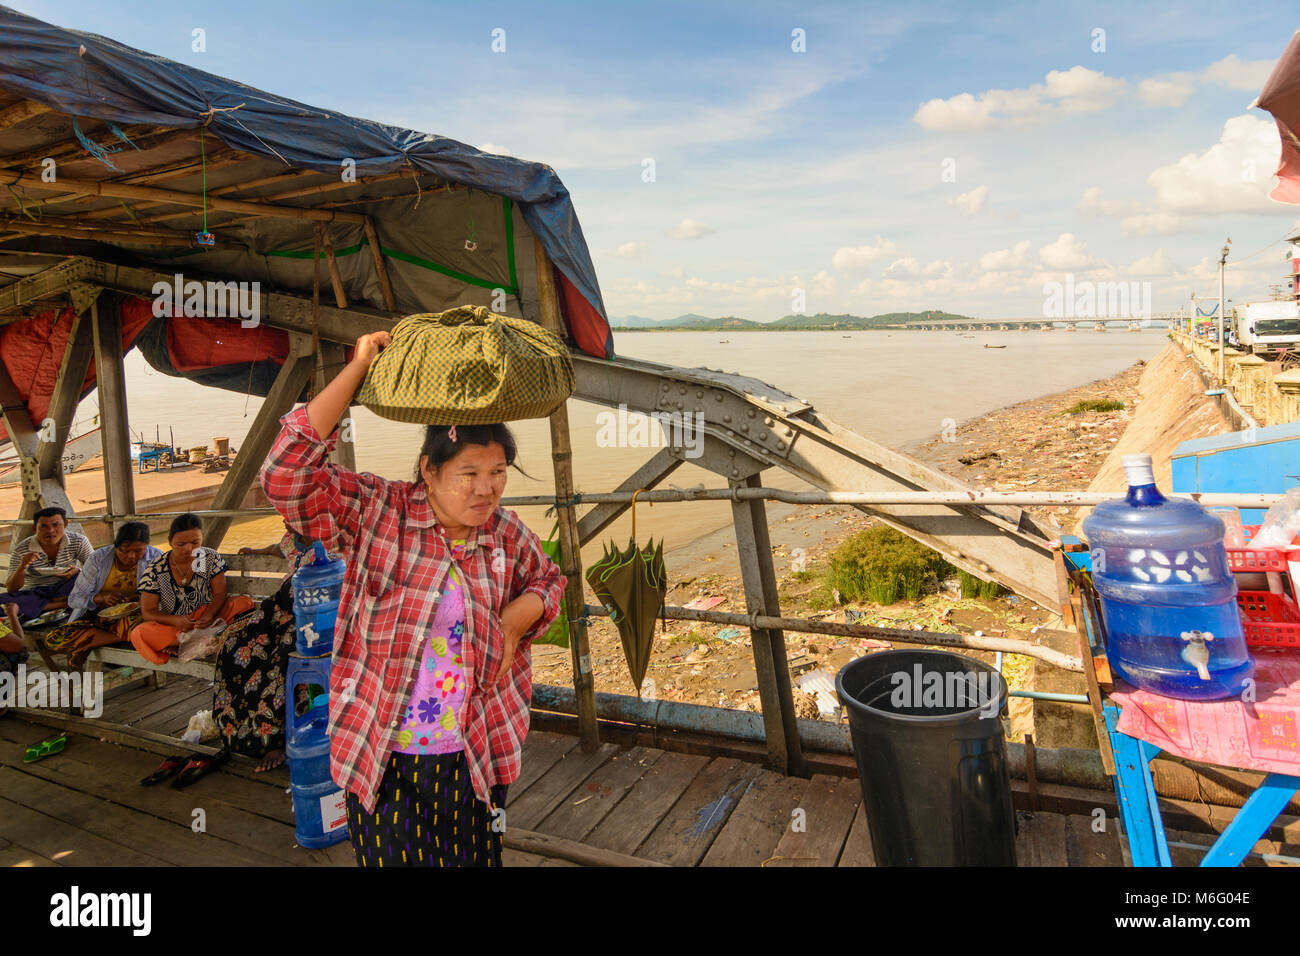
point(821, 321)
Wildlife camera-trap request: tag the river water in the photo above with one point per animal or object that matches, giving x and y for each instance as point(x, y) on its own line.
point(897, 388)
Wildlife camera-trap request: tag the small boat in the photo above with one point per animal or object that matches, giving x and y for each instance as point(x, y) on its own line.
point(987, 346)
point(846, 336)
point(76, 452)
point(1099, 327)
point(724, 341)
point(1134, 327)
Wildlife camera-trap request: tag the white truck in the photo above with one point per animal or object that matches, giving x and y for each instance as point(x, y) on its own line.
point(1268, 328)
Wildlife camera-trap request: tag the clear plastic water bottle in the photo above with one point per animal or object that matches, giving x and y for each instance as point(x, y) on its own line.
point(1167, 597)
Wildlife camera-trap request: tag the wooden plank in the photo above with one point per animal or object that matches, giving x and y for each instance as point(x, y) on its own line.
point(628, 825)
point(66, 844)
point(15, 855)
point(857, 848)
point(158, 744)
point(518, 858)
point(755, 827)
point(584, 681)
point(546, 794)
point(21, 111)
point(684, 835)
point(1086, 847)
point(1041, 841)
point(560, 849)
point(172, 842)
point(830, 805)
point(115, 772)
point(174, 720)
point(579, 814)
point(542, 751)
point(159, 700)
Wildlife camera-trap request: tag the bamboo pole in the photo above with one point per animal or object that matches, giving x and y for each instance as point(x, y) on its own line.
point(92, 232)
point(381, 267)
point(93, 187)
point(584, 684)
point(336, 277)
point(316, 189)
point(20, 112)
point(805, 625)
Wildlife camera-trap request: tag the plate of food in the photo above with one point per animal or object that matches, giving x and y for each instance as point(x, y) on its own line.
point(115, 611)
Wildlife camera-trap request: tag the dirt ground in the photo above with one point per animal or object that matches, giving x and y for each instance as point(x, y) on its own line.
point(1029, 445)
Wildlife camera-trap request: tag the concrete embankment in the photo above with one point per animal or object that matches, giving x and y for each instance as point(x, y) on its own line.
point(1173, 409)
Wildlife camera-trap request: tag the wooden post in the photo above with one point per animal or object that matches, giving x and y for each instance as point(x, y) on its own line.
point(333, 358)
point(110, 380)
point(754, 550)
point(381, 268)
point(336, 277)
point(584, 684)
point(285, 391)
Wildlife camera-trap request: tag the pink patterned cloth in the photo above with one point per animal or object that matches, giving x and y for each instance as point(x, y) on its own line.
point(1263, 735)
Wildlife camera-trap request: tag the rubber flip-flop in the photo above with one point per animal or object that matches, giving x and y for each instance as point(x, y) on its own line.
point(199, 766)
point(169, 768)
point(45, 748)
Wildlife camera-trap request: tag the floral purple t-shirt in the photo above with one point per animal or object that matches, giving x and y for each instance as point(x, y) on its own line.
point(431, 724)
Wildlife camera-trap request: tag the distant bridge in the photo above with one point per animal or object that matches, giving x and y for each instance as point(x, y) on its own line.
point(1157, 320)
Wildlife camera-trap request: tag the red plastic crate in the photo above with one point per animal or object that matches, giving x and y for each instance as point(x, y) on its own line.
point(1262, 559)
point(1268, 619)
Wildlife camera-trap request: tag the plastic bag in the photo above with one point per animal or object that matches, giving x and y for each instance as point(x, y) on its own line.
point(201, 727)
point(200, 642)
point(1281, 523)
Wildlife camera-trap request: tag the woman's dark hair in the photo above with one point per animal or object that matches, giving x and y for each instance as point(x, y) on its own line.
point(185, 522)
point(131, 533)
point(440, 449)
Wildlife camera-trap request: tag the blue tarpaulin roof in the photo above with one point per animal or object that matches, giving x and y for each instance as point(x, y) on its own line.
point(86, 75)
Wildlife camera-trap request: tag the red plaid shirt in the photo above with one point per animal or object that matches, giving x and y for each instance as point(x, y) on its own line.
point(397, 563)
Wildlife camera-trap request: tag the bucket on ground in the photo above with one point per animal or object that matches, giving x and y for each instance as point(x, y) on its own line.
point(320, 818)
point(316, 589)
point(927, 736)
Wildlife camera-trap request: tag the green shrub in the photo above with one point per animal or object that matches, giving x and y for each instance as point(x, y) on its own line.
point(1094, 405)
point(883, 566)
point(972, 587)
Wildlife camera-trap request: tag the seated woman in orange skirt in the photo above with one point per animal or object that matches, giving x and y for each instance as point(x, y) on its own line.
point(184, 589)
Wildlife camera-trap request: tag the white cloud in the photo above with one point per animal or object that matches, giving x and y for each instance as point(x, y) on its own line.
point(494, 148)
point(968, 204)
point(1151, 223)
point(691, 229)
point(1232, 176)
point(1173, 89)
point(902, 268)
point(1066, 252)
point(630, 250)
point(1093, 204)
point(856, 258)
point(1238, 74)
point(1007, 260)
point(1156, 264)
point(1077, 89)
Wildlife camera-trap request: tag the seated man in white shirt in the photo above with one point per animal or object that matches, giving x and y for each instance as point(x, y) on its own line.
point(43, 567)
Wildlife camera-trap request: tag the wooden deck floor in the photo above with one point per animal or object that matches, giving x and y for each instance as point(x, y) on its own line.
point(85, 806)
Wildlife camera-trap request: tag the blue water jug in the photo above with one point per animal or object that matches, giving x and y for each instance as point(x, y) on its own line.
point(1168, 599)
point(316, 589)
point(320, 818)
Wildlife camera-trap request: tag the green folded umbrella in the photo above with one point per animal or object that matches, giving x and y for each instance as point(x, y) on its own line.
point(632, 584)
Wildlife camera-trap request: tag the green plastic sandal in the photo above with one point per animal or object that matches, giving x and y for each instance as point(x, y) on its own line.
point(45, 748)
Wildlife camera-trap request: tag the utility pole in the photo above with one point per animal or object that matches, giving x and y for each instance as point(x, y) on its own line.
point(1223, 258)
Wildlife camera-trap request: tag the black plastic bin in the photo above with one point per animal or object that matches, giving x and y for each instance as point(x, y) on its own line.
point(927, 736)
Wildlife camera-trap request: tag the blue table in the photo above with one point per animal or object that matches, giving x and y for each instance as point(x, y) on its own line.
point(1140, 810)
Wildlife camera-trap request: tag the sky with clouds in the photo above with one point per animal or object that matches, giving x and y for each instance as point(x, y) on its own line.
point(910, 156)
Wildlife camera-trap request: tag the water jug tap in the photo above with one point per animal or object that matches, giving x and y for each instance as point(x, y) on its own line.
point(1196, 653)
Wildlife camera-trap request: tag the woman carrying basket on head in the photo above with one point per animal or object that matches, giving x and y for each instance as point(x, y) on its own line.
point(444, 593)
